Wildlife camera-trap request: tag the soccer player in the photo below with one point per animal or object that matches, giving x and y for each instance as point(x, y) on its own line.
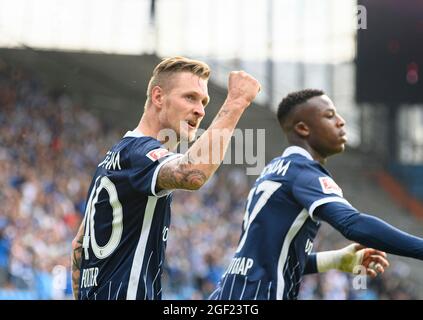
point(284, 208)
point(119, 250)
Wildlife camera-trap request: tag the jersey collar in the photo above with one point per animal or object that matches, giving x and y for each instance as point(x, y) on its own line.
point(133, 134)
point(295, 149)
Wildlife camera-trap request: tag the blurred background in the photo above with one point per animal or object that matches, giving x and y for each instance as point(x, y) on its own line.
point(73, 77)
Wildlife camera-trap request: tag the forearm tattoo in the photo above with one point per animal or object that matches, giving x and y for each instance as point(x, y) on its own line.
point(76, 262)
point(180, 177)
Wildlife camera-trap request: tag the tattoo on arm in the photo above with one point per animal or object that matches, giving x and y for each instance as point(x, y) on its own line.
point(222, 112)
point(76, 260)
point(189, 172)
point(180, 177)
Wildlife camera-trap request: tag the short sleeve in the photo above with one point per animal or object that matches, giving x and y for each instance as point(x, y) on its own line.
point(147, 157)
point(313, 188)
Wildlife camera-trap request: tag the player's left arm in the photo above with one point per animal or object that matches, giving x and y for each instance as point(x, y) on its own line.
point(76, 258)
point(348, 259)
point(324, 200)
point(370, 231)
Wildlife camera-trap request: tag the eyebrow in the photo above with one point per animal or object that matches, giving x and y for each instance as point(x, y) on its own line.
point(204, 101)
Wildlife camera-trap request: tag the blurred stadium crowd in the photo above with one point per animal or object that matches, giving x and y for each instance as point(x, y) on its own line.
point(50, 147)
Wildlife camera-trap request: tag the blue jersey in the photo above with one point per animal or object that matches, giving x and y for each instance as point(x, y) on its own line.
point(126, 223)
point(278, 229)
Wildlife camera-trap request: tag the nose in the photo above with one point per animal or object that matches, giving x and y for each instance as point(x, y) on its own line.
point(341, 121)
point(199, 111)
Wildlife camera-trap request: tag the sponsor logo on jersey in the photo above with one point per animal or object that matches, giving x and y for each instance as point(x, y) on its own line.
point(156, 154)
point(329, 186)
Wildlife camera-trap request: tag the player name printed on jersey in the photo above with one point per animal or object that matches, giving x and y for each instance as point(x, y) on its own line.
point(112, 161)
point(329, 186)
point(279, 167)
point(89, 277)
point(240, 265)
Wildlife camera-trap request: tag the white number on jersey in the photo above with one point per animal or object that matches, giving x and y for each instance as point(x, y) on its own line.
point(267, 188)
point(117, 222)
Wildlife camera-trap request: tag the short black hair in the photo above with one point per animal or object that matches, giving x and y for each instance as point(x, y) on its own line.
point(294, 99)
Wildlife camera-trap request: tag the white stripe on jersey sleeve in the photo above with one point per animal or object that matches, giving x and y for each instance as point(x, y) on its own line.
point(138, 259)
point(319, 202)
point(162, 193)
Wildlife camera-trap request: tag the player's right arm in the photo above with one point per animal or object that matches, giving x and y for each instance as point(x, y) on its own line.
point(198, 164)
point(76, 260)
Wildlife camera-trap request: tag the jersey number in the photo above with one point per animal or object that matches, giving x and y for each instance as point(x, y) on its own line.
point(267, 188)
point(102, 252)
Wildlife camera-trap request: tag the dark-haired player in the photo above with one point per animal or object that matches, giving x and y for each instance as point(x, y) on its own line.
point(294, 192)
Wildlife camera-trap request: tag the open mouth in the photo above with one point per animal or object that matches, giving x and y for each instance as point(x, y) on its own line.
point(192, 124)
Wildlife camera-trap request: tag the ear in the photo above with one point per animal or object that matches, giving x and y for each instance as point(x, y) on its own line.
point(302, 129)
point(157, 96)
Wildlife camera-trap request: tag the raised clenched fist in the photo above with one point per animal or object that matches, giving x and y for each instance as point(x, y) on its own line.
point(242, 87)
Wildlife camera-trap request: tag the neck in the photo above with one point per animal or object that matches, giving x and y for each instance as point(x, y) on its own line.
point(303, 144)
point(150, 126)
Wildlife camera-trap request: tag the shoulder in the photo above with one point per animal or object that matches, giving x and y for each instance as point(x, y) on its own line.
point(145, 146)
point(304, 166)
point(144, 150)
point(311, 174)
point(305, 171)
point(144, 143)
